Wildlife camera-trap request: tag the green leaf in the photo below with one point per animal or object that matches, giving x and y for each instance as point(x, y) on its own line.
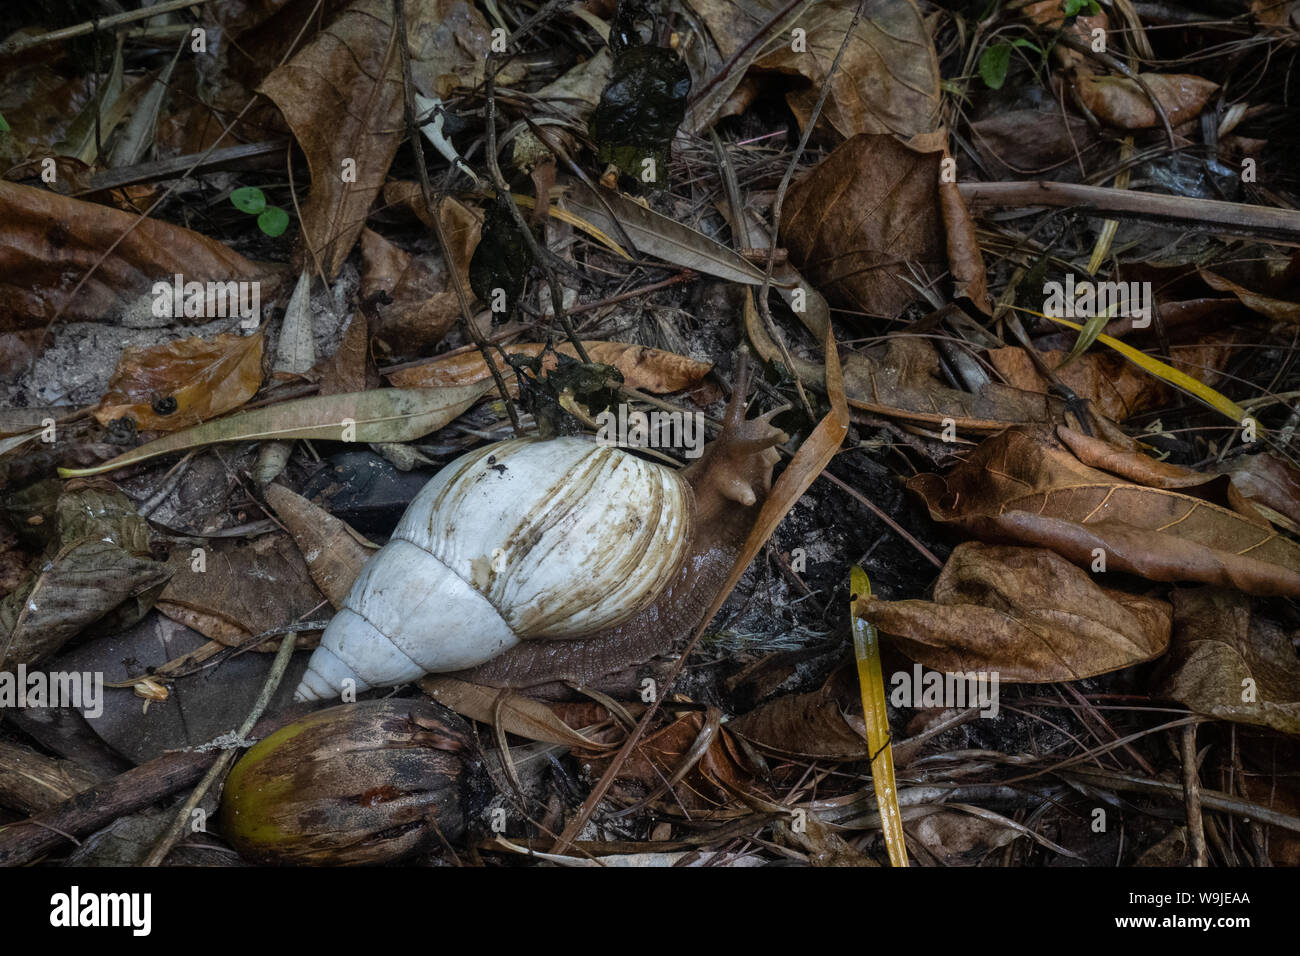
point(249, 199)
point(273, 221)
point(1088, 335)
point(1072, 8)
point(4, 127)
point(994, 63)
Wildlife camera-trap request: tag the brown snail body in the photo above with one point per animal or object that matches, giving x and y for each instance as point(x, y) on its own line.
point(729, 482)
point(530, 561)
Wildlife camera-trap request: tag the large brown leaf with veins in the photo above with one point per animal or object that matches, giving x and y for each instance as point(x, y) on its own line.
point(1023, 487)
point(49, 242)
point(342, 97)
point(887, 81)
point(1229, 663)
point(873, 217)
point(1025, 613)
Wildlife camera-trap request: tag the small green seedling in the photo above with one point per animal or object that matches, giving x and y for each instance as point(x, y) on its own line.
point(995, 61)
point(272, 220)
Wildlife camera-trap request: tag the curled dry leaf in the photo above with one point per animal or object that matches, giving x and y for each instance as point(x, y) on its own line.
point(1229, 663)
point(1132, 464)
point(177, 384)
point(334, 553)
point(241, 590)
point(342, 96)
point(887, 81)
point(1026, 614)
point(415, 307)
point(50, 241)
point(515, 713)
point(825, 723)
point(1118, 101)
point(1267, 480)
point(873, 214)
point(1024, 487)
point(96, 568)
point(644, 368)
point(720, 773)
point(1257, 295)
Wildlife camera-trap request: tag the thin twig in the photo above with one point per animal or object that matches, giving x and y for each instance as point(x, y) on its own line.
point(218, 769)
point(811, 122)
point(434, 209)
point(20, 44)
point(1192, 796)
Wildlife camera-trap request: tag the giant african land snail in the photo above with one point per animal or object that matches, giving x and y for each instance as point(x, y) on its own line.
point(531, 560)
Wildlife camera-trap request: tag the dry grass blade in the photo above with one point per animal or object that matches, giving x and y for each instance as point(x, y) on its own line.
point(866, 648)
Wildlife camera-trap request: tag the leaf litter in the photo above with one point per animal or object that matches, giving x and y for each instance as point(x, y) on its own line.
point(1112, 498)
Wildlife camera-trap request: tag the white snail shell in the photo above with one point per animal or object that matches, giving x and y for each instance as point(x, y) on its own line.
point(517, 540)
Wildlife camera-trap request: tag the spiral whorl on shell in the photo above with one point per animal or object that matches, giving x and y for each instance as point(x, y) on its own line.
point(517, 540)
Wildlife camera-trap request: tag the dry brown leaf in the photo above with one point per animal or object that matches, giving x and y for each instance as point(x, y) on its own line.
point(96, 568)
point(887, 80)
point(243, 590)
point(1131, 463)
point(519, 715)
point(644, 368)
point(205, 378)
point(1276, 14)
point(1280, 310)
point(825, 723)
point(1267, 480)
point(871, 215)
point(334, 553)
point(1024, 143)
point(342, 96)
point(417, 307)
point(1231, 664)
point(1026, 614)
point(960, 839)
point(1120, 102)
point(349, 368)
point(1022, 486)
point(720, 774)
point(50, 241)
point(1117, 388)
